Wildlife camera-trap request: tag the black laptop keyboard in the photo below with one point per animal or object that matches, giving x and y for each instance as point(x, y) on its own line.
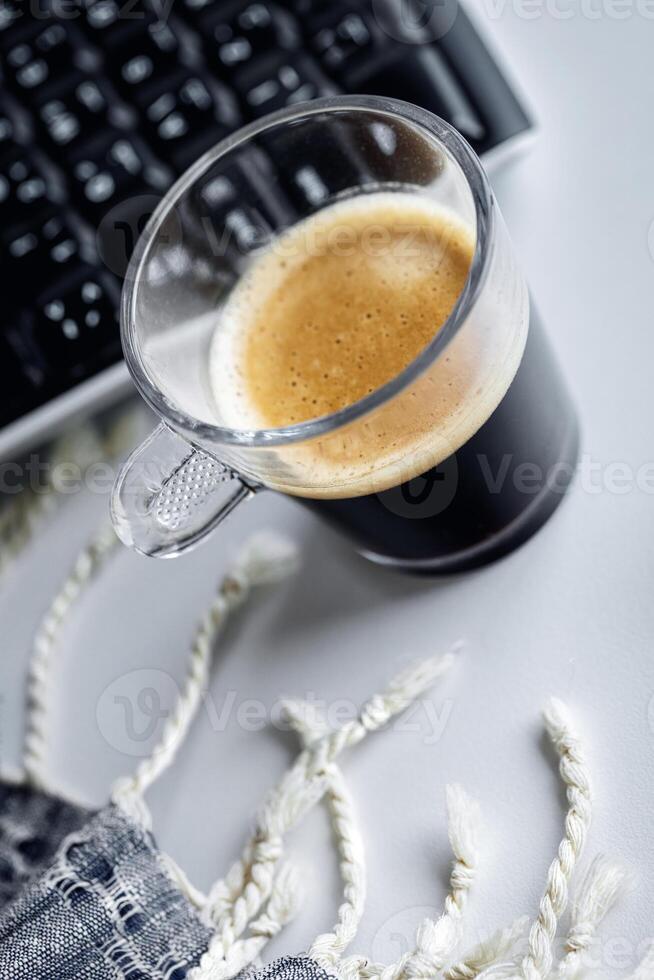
point(103, 103)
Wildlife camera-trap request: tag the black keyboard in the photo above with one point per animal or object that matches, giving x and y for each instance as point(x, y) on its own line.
point(103, 103)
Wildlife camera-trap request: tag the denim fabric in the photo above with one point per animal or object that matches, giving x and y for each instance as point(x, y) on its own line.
point(92, 899)
point(32, 826)
point(106, 909)
point(289, 968)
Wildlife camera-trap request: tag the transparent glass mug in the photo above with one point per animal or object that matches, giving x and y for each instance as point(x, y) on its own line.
point(435, 495)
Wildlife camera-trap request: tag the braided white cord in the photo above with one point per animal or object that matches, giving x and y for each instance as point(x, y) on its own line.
point(299, 789)
point(128, 791)
point(195, 896)
point(304, 784)
point(437, 940)
point(237, 954)
point(226, 891)
point(401, 692)
point(537, 964)
point(281, 908)
point(599, 891)
point(83, 447)
point(490, 950)
point(86, 566)
point(265, 558)
point(328, 947)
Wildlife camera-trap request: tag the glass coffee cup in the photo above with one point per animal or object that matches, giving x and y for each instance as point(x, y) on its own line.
point(453, 462)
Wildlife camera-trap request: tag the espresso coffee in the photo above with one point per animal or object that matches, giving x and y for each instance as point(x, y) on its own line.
point(339, 306)
point(344, 303)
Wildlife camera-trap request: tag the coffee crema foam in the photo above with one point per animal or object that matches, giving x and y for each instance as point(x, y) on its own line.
point(336, 307)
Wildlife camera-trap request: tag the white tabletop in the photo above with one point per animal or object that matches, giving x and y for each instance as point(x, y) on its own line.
point(570, 613)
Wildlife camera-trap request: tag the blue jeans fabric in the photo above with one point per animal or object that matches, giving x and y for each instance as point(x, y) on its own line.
point(32, 826)
point(288, 968)
point(97, 902)
point(105, 909)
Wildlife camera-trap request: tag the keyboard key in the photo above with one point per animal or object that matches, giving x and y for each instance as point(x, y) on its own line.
point(262, 55)
point(235, 211)
point(115, 167)
point(38, 253)
point(74, 116)
point(10, 17)
point(120, 228)
point(186, 117)
point(422, 75)
point(75, 324)
point(145, 60)
point(246, 228)
point(345, 39)
point(214, 194)
point(113, 23)
point(24, 192)
point(279, 80)
point(330, 165)
point(41, 62)
point(239, 33)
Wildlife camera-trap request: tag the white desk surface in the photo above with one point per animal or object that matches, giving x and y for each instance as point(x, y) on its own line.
point(570, 613)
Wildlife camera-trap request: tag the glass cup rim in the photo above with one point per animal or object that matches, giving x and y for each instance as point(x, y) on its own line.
point(195, 430)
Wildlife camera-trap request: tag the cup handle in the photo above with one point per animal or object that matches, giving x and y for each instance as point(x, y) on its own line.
point(169, 495)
